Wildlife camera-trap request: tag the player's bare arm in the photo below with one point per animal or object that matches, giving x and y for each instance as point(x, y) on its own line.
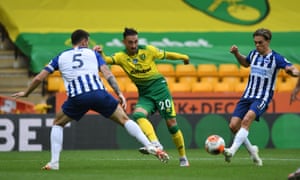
point(241, 58)
point(295, 92)
point(292, 71)
point(34, 84)
point(113, 83)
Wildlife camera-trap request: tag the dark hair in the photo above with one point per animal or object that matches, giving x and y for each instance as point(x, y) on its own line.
point(129, 32)
point(78, 35)
point(266, 33)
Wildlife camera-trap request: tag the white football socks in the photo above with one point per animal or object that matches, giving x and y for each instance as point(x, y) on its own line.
point(239, 138)
point(56, 140)
point(248, 145)
point(134, 130)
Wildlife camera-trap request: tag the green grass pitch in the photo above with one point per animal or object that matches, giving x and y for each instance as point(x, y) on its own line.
point(131, 165)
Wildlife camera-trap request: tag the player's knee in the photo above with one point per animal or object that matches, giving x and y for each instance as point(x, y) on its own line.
point(232, 127)
point(138, 115)
point(61, 121)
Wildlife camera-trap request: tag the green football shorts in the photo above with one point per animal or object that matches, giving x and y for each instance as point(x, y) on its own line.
point(155, 96)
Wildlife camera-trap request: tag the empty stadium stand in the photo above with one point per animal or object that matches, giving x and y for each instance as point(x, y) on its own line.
point(202, 87)
point(204, 78)
point(166, 69)
point(14, 74)
point(180, 87)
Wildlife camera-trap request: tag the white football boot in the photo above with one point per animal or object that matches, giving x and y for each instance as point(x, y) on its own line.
point(255, 157)
point(228, 155)
point(51, 166)
point(160, 154)
point(156, 144)
point(183, 162)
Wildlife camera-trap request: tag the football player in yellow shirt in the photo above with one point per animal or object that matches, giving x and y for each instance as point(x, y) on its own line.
point(154, 95)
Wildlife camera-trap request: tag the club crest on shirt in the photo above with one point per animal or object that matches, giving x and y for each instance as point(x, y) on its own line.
point(135, 61)
point(267, 60)
point(142, 57)
point(263, 60)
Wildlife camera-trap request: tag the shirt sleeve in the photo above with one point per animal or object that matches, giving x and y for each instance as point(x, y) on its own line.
point(53, 65)
point(249, 57)
point(99, 59)
point(109, 59)
point(157, 53)
point(282, 62)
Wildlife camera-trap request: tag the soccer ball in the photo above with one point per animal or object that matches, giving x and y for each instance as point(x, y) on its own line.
point(214, 144)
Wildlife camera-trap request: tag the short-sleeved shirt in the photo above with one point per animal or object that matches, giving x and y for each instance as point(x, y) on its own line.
point(141, 68)
point(261, 84)
point(80, 70)
point(263, 74)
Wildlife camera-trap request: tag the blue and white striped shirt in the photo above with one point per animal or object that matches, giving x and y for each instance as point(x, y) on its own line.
point(80, 70)
point(262, 78)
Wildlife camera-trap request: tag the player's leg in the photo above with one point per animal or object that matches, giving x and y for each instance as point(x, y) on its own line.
point(73, 108)
point(295, 175)
point(165, 105)
point(258, 107)
point(120, 117)
point(56, 140)
point(109, 107)
point(240, 111)
point(235, 125)
point(178, 140)
point(134, 130)
point(167, 110)
point(253, 151)
point(146, 126)
point(143, 107)
point(241, 135)
point(146, 105)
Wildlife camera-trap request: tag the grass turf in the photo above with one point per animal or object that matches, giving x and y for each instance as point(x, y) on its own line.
point(130, 165)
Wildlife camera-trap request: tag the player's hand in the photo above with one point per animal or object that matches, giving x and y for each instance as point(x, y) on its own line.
point(18, 94)
point(234, 49)
point(123, 101)
point(294, 95)
point(98, 48)
point(292, 71)
point(186, 61)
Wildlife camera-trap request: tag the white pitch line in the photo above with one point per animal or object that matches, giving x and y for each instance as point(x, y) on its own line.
point(154, 159)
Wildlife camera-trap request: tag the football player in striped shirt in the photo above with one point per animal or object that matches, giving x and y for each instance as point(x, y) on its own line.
point(264, 64)
point(80, 68)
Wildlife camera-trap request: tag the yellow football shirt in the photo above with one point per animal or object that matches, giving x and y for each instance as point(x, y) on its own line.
point(141, 67)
